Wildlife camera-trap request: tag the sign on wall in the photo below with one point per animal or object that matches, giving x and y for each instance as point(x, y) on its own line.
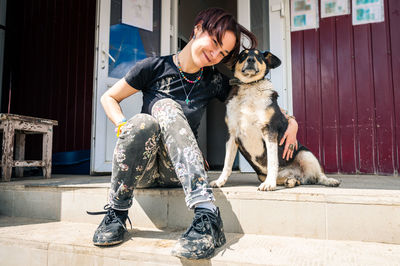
point(304, 15)
point(368, 11)
point(138, 13)
point(330, 8)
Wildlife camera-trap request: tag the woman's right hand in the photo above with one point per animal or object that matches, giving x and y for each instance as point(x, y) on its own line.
point(111, 98)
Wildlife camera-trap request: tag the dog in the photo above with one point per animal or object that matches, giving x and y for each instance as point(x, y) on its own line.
point(256, 124)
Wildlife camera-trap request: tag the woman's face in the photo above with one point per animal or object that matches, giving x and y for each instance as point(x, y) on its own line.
point(206, 51)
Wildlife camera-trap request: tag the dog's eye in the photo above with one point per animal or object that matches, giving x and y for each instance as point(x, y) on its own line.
point(259, 59)
point(242, 57)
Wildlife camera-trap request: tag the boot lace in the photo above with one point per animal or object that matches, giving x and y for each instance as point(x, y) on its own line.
point(201, 219)
point(112, 216)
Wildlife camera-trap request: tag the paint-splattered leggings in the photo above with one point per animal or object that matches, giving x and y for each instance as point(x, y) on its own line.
point(158, 150)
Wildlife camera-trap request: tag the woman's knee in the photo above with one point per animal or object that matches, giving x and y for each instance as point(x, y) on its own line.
point(167, 112)
point(165, 106)
point(140, 124)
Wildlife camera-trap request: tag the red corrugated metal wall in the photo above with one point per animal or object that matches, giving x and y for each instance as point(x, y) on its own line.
point(346, 92)
point(50, 53)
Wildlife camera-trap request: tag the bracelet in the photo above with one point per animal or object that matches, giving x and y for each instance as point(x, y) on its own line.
point(122, 121)
point(120, 124)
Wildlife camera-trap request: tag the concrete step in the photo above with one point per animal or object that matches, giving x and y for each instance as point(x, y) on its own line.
point(363, 208)
point(28, 241)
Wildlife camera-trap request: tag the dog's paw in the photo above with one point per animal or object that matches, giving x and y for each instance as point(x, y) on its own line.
point(291, 182)
point(215, 184)
point(218, 183)
point(267, 186)
point(332, 182)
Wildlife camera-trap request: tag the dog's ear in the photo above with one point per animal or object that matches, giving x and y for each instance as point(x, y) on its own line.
point(271, 60)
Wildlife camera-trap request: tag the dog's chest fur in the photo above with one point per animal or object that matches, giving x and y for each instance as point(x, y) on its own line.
point(248, 112)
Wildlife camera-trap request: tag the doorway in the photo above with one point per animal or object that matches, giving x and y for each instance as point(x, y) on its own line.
point(172, 22)
point(269, 21)
point(213, 132)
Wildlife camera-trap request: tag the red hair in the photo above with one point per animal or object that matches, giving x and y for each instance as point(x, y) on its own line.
point(216, 22)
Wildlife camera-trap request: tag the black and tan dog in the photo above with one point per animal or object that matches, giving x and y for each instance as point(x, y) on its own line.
point(256, 125)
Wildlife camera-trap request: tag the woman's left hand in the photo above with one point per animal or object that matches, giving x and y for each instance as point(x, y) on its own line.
point(291, 141)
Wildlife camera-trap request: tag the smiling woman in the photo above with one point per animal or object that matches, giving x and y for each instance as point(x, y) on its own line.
point(207, 51)
point(221, 28)
point(159, 146)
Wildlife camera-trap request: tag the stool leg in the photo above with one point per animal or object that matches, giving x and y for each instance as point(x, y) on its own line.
point(19, 152)
point(7, 151)
point(47, 146)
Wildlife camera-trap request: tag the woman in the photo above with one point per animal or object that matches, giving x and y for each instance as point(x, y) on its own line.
point(158, 147)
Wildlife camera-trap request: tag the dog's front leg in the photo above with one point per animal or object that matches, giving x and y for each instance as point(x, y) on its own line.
point(230, 154)
point(271, 142)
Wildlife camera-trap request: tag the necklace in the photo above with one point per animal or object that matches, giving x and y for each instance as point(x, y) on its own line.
point(183, 75)
point(187, 101)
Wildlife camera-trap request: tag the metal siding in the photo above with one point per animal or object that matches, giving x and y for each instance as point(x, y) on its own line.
point(73, 12)
point(365, 99)
point(62, 74)
point(348, 95)
point(329, 104)
point(88, 66)
point(312, 91)
point(394, 22)
point(298, 76)
point(383, 96)
point(50, 50)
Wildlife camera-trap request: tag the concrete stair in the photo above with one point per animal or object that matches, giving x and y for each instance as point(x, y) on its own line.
point(46, 219)
point(28, 241)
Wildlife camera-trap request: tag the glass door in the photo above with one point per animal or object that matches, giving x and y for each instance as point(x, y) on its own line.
point(128, 31)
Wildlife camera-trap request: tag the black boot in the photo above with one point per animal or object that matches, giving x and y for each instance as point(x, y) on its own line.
point(113, 227)
point(205, 234)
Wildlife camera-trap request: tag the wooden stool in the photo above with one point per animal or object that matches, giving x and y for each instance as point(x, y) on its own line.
point(19, 126)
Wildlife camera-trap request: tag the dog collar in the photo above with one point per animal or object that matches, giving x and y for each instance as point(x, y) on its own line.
point(236, 81)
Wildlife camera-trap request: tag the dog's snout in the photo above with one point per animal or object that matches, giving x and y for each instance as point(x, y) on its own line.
point(250, 66)
point(251, 60)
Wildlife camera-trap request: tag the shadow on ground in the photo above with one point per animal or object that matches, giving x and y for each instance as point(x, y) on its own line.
point(177, 197)
point(6, 221)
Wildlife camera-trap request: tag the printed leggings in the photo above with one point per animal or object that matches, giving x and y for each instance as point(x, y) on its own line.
point(158, 150)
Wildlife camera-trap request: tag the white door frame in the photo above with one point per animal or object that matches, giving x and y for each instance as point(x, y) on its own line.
point(279, 29)
point(103, 135)
point(279, 10)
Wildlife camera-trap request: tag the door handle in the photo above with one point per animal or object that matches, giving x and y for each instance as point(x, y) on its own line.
point(105, 55)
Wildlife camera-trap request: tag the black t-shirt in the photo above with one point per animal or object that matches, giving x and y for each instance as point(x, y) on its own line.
point(158, 78)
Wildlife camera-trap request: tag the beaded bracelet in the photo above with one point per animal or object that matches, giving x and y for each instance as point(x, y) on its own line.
point(289, 116)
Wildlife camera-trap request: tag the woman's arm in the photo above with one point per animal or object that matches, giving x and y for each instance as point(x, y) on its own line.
point(111, 98)
point(289, 136)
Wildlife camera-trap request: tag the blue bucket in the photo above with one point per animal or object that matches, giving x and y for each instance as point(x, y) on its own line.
point(71, 162)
